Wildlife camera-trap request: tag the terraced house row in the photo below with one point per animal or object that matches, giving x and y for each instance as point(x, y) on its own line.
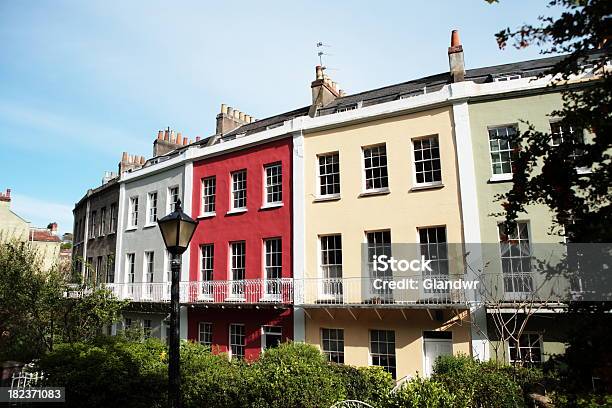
point(293, 208)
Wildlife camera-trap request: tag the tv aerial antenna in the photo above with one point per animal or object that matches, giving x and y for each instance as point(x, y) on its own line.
point(321, 53)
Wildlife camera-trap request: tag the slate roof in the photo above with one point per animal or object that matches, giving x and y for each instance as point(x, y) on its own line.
point(426, 84)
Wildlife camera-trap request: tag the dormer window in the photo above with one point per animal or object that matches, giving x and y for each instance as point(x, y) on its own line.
point(346, 108)
point(274, 125)
point(506, 77)
point(415, 92)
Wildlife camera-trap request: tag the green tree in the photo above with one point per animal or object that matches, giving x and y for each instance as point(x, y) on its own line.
point(35, 312)
point(571, 175)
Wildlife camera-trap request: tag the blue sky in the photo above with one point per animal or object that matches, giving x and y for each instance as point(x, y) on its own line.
point(83, 81)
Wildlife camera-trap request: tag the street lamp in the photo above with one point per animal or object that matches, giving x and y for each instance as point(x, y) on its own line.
point(177, 229)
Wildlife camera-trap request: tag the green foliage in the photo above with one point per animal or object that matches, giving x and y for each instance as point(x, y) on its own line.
point(34, 311)
point(296, 375)
point(482, 384)
point(29, 298)
point(109, 372)
point(367, 384)
point(424, 393)
point(133, 374)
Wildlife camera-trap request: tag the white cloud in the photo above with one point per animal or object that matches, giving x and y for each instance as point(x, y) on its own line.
point(40, 212)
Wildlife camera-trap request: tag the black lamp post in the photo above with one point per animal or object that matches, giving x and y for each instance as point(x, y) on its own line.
point(177, 229)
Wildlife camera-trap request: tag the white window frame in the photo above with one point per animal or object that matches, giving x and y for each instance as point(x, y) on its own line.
point(171, 204)
point(148, 273)
point(264, 345)
point(234, 191)
point(378, 248)
point(371, 353)
point(207, 287)
point(94, 224)
point(319, 175)
point(540, 342)
point(500, 176)
point(113, 218)
point(364, 178)
point(231, 343)
point(522, 279)
point(425, 184)
point(438, 245)
point(133, 212)
point(200, 332)
point(237, 290)
point(272, 286)
point(329, 353)
point(130, 271)
point(330, 290)
point(152, 198)
point(267, 185)
point(206, 196)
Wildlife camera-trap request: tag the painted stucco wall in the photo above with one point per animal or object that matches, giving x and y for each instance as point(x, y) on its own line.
point(408, 329)
point(534, 109)
point(402, 211)
point(146, 237)
point(253, 227)
point(12, 226)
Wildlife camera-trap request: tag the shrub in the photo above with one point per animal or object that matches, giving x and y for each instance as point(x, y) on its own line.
point(109, 373)
point(424, 393)
point(483, 384)
point(367, 384)
point(295, 375)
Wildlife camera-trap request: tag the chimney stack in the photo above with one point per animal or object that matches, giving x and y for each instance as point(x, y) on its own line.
point(229, 119)
point(323, 91)
point(168, 142)
point(129, 162)
point(52, 227)
point(6, 196)
point(455, 58)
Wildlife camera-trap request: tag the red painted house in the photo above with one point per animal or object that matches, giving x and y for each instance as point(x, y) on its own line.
point(241, 292)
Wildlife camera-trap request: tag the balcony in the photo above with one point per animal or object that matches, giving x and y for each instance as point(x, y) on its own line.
point(365, 291)
point(252, 291)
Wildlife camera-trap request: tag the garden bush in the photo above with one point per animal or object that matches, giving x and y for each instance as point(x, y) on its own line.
point(107, 373)
point(482, 384)
point(423, 393)
point(367, 384)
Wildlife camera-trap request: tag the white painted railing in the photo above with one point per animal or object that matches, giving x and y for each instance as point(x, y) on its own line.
point(227, 291)
point(367, 291)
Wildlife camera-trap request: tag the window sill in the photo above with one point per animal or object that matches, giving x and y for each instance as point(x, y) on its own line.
point(334, 197)
point(235, 299)
point(131, 229)
point(500, 178)
point(236, 211)
point(207, 215)
point(583, 170)
point(271, 206)
point(148, 226)
point(432, 186)
point(381, 191)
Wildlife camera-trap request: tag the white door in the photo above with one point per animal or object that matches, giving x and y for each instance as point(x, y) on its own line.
point(432, 349)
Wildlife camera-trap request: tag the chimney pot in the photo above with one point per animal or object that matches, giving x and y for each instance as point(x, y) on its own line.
point(455, 41)
point(142, 160)
point(319, 72)
point(124, 157)
point(179, 138)
point(160, 135)
point(236, 114)
point(223, 108)
point(8, 193)
point(185, 142)
point(197, 138)
point(230, 111)
point(242, 116)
